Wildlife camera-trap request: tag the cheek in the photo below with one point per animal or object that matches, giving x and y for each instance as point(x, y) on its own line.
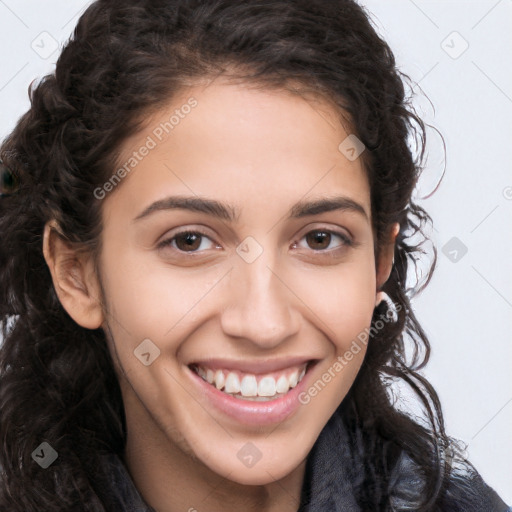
point(150, 300)
point(341, 300)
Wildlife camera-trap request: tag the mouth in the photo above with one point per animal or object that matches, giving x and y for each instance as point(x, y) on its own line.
point(253, 394)
point(252, 386)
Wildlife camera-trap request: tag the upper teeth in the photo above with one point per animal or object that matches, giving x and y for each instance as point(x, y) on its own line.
point(250, 385)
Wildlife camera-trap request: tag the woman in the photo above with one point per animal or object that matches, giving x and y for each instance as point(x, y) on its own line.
point(207, 225)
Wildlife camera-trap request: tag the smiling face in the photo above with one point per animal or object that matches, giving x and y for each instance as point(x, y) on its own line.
point(237, 250)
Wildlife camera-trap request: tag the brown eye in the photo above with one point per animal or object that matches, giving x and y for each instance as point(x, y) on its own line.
point(191, 242)
point(318, 239)
point(321, 239)
point(188, 241)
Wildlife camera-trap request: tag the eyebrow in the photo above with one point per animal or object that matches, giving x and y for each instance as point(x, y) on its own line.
point(231, 214)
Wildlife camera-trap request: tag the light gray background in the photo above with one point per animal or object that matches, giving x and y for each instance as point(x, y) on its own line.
point(467, 308)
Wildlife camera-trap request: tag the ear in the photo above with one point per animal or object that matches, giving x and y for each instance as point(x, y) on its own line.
point(386, 254)
point(74, 278)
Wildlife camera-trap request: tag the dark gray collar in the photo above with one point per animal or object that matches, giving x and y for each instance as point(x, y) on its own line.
point(328, 483)
point(334, 473)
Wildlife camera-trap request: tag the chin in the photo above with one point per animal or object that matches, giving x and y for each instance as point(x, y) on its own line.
point(255, 462)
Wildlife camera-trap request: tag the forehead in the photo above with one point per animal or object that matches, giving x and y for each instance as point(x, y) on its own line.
point(238, 141)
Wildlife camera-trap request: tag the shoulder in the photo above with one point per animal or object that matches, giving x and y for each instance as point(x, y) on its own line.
point(464, 491)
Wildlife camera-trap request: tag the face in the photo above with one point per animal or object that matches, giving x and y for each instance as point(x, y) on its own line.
point(237, 254)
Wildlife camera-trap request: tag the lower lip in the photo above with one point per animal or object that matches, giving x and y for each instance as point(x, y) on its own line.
point(250, 412)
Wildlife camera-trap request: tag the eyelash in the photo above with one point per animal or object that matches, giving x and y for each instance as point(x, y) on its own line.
point(346, 241)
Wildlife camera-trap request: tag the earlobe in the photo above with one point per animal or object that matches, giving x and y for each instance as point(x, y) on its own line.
point(73, 277)
point(386, 257)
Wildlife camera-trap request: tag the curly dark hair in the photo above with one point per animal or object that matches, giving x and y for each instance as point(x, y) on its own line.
point(126, 59)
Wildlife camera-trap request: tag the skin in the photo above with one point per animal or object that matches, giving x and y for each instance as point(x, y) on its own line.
point(261, 151)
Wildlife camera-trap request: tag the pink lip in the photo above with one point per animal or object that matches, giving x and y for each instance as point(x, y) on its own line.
point(250, 412)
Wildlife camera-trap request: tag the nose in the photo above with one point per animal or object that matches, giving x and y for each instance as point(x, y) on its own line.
point(261, 305)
